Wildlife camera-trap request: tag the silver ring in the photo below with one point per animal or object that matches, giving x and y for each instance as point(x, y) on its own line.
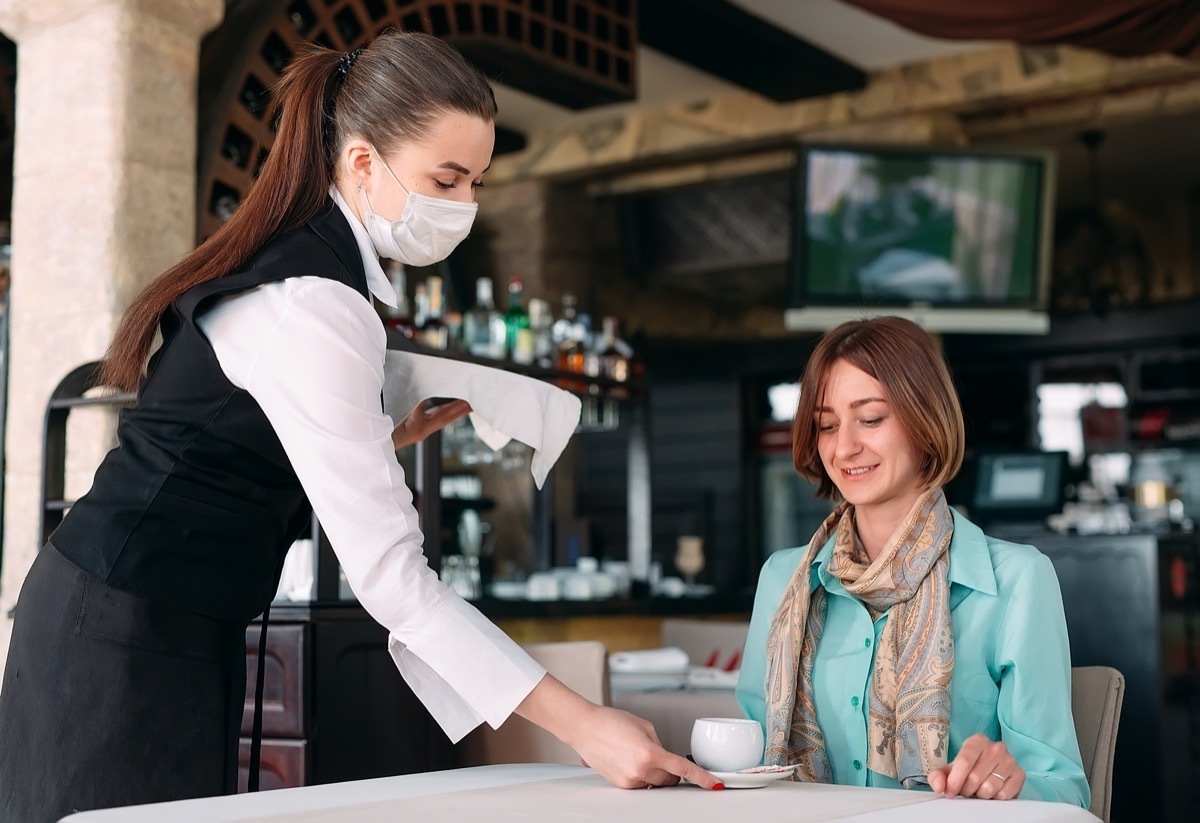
point(1001, 777)
point(649, 785)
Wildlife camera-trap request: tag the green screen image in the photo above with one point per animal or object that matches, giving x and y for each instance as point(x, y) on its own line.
point(900, 228)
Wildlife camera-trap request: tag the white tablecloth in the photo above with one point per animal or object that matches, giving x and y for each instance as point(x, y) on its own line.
point(545, 792)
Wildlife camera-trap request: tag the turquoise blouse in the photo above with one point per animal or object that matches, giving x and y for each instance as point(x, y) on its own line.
point(1012, 662)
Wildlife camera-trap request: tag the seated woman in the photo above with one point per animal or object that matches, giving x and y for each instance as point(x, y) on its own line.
point(903, 647)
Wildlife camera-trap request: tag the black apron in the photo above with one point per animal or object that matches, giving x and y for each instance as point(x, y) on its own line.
point(150, 710)
point(126, 675)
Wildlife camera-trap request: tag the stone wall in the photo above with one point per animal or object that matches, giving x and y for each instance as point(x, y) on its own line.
point(103, 200)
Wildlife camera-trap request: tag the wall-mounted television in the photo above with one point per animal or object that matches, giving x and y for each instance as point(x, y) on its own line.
point(958, 240)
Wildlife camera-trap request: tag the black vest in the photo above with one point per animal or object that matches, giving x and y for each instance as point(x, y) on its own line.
point(198, 503)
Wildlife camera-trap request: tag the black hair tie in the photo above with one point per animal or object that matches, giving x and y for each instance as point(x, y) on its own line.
point(345, 62)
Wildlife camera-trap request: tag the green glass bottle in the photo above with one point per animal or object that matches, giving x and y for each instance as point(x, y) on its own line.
point(516, 319)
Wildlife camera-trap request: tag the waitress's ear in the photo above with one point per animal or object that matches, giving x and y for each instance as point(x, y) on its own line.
point(356, 161)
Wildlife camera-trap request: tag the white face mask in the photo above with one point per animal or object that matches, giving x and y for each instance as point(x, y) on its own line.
point(427, 231)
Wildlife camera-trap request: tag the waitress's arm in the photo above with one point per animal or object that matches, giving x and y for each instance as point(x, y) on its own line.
point(311, 352)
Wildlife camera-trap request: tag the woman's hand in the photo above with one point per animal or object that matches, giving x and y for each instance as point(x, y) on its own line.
point(425, 420)
point(983, 769)
point(623, 748)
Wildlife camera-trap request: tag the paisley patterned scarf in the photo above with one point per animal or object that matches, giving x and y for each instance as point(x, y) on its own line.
point(909, 701)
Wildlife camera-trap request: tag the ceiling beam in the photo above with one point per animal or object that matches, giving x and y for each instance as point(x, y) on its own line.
point(1096, 110)
point(920, 129)
point(508, 140)
point(729, 42)
point(990, 80)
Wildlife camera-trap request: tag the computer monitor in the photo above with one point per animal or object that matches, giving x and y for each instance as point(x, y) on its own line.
point(1019, 487)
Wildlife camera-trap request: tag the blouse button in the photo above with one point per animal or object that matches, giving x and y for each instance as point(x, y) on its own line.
point(867, 642)
point(858, 765)
point(853, 701)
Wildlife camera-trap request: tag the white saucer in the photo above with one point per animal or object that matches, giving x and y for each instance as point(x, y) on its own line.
point(752, 780)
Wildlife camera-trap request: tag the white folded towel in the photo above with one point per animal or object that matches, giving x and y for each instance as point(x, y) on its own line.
point(668, 660)
point(504, 406)
point(707, 677)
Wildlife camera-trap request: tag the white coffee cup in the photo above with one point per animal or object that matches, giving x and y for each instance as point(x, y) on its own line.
point(726, 744)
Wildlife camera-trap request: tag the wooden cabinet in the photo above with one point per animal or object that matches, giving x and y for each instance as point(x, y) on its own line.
point(283, 764)
point(285, 681)
point(334, 706)
point(285, 715)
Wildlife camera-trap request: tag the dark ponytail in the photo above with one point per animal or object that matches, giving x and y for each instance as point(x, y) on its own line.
point(389, 93)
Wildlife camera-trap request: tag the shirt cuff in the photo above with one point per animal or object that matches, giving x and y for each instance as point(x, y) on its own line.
point(464, 669)
point(1055, 789)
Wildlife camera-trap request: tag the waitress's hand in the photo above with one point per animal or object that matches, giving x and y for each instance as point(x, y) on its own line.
point(426, 419)
point(623, 748)
point(983, 769)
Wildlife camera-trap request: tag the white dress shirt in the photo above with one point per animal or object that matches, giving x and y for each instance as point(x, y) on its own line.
point(311, 351)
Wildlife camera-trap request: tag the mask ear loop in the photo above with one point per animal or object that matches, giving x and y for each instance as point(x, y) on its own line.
point(361, 191)
point(388, 169)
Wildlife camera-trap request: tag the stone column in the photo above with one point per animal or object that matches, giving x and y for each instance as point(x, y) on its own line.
point(104, 196)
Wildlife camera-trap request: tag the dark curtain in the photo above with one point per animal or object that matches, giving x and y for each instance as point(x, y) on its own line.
point(1127, 28)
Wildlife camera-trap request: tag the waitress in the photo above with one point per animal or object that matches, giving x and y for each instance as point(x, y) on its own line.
point(126, 673)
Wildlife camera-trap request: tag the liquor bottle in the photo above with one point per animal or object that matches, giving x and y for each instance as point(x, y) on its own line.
point(541, 324)
point(524, 347)
point(571, 330)
point(399, 317)
point(421, 302)
point(515, 320)
point(484, 329)
point(614, 363)
point(434, 332)
point(454, 330)
point(564, 325)
point(585, 357)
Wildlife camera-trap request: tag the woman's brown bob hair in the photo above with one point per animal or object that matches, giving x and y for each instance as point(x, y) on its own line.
point(917, 384)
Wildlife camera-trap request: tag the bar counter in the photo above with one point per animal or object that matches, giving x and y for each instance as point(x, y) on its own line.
point(736, 603)
point(622, 624)
point(716, 604)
